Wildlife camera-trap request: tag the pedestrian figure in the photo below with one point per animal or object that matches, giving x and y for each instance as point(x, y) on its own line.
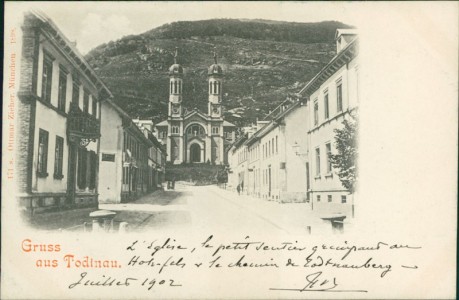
point(238, 189)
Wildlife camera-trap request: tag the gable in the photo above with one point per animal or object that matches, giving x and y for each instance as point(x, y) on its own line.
point(195, 118)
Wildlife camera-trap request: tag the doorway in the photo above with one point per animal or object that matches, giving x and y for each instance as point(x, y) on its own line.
point(195, 153)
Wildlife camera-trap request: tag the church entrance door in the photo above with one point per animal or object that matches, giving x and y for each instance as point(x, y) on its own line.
point(195, 153)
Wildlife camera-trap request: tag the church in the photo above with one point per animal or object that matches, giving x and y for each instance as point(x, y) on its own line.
point(192, 136)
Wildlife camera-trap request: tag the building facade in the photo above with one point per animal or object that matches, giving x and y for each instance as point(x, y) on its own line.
point(193, 136)
point(156, 155)
point(332, 95)
point(59, 121)
point(271, 161)
point(287, 159)
point(128, 169)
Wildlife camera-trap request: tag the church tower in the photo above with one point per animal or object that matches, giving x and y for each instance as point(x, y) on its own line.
point(215, 80)
point(175, 88)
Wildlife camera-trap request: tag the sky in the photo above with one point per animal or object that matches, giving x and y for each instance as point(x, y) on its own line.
point(93, 23)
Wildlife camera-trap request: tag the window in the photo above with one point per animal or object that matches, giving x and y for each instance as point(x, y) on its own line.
point(76, 93)
point(343, 199)
point(328, 151)
point(175, 129)
point(47, 78)
point(94, 107)
point(215, 130)
point(172, 87)
point(339, 97)
point(42, 153)
point(272, 145)
point(85, 101)
point(318, 198)
point(330, 198)
point(125, 175)
point(326, 110)
point(316, 112)
point(195, 130)
point(62, 92)
point(317, 161)
point(277, 149)
point(58, 157)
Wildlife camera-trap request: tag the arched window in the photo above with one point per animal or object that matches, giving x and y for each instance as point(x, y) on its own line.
point(215, 87)
point(195, 130)
point(210, 87)
point(175, 87)
point(171, 87)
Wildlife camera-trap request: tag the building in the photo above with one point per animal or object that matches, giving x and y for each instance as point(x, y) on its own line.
point(58, 121)
point(332, 95)
point(156, 155)
point(287, 158)
point(193, 136)
point(271, 160)
point(128, 169)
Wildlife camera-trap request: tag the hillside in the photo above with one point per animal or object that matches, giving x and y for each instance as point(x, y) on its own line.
point(264, 61)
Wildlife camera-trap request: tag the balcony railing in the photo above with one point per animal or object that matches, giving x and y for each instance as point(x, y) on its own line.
point(82, 125)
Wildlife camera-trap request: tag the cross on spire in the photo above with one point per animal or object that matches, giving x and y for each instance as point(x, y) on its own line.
point(215, 55)
point(175, 55)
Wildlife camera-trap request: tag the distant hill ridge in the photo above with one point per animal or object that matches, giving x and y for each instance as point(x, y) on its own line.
point(263, 62)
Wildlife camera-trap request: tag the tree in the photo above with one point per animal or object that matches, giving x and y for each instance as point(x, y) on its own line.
point(345, 160)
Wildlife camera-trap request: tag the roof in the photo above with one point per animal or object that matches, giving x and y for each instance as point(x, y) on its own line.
point(162, 123)
point(273, 123)
point(69, 49)
point(129, 120)
point(117, 108)
point(228, 124)
point(195, 111)
point(347, 31)
point(215, 69)
point(176, 69)
point(343, 57)
point(238, 142)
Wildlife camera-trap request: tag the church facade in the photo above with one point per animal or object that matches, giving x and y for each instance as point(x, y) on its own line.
point(192, 136)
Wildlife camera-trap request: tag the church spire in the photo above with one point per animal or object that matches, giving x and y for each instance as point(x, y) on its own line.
point(215, 55)
point(175, 55)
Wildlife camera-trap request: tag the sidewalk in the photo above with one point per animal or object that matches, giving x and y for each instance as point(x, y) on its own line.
point(159, 209)
point(291, 217)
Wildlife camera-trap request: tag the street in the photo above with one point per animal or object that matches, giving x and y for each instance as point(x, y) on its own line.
point(209, 208)
point(192, 209)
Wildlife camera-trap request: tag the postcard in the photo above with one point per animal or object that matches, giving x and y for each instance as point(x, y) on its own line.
point(229, 150)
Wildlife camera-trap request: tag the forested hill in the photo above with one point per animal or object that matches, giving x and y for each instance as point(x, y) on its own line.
point(305, 33)
point(263, 62)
